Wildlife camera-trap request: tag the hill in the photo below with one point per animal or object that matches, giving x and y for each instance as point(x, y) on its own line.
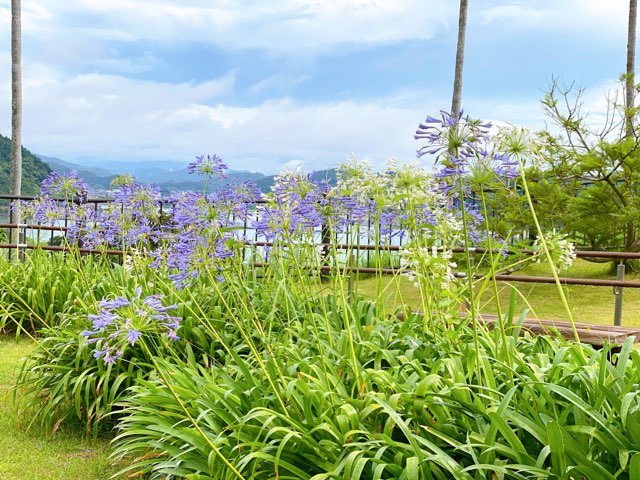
point(330, 175)
point(169, 176)
point(97, 178)
point(34, 170)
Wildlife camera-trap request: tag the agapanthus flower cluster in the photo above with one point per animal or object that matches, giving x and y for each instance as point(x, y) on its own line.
point(428, 265)
point(294, 208)
point(455, 139)
point(60, 201)
point(201, 232)
point(561, 250)
point(68, 186)
point(122, 323)
point(463, 146)
point(132, 219)
point(209, 166)
point(190, 233)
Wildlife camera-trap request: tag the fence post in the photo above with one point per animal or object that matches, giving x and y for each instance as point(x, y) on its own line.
point(14, 233)
point(325, 239)
point(22, 243)
point(617, 291)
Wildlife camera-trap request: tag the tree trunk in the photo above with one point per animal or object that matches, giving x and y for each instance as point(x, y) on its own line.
point(631, 61)
point(16, 114)
point(16, 99)
point(457, 79)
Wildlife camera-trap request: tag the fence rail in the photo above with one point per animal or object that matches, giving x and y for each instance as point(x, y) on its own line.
point(618, 284)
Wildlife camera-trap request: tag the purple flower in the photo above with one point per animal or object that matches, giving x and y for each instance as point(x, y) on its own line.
point(208, 166)
point(452, 138)
point(507, 167)
point(171, 335)
point(111, 356)
point(69, 186)
point(122, 322)
point(133, 336)
point(99, 353)
point(103, 319)
point(115, 303)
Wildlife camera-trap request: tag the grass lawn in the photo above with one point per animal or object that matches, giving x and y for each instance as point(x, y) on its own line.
point(36, 455)
point(588, 304)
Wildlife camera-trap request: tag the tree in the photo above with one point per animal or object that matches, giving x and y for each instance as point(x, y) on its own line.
point(16, 99)
point(597, 168)
point(457, 79)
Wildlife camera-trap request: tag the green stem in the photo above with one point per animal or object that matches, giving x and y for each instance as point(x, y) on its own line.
point(494, 282)
point(545, 248)
point(472, 302)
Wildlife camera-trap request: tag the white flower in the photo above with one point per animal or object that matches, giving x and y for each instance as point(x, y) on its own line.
point(561, 251)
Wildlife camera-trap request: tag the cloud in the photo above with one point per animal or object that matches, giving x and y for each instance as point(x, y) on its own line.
point(93, 117)
point(279, 83)
point(302, 26)
point(592, 18)
point(86, 98)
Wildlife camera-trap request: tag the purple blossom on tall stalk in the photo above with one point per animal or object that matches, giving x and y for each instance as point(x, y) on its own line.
point(132, 219)
point(294, 208)
point(506, 167)
point(122, 323)
point(344, 212)
point(201, 231)
point(68, 186)
point(460, 146)
point(211, 165)
point(452, 140)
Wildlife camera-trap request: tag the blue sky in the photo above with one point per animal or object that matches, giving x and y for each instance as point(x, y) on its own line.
point(263, 84)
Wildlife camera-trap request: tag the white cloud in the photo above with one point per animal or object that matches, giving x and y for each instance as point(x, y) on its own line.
point(90, 115)
point(589, 18)
point(111, 117)
point(279, 83)
point(302, 26)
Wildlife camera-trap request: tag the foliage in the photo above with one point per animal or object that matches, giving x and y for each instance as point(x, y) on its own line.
point(34, 170)
point(420, 411)
point(593, 171)
point(35, 292)
point(219, 358)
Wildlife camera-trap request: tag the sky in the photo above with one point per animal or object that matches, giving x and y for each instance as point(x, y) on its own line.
point(264, 84)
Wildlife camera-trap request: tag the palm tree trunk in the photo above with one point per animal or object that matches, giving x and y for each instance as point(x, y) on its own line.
point(16, 99)
point(631, 61)
point(457, 79)
point(16, 113)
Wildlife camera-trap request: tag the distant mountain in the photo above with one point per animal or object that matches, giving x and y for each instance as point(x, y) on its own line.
point(33, 169)
point(330, 175)
point(170, 176)
point(97, 178)
point(174, 176)
point(62, 166)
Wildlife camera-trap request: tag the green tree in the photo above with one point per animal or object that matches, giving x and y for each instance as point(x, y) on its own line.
point(595, 170)
point(33, 172)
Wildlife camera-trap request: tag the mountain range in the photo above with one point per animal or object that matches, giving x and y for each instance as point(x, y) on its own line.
point(170, 176)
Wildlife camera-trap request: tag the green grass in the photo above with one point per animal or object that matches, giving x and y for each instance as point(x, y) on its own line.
point(38, 455)
point(588, 304)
